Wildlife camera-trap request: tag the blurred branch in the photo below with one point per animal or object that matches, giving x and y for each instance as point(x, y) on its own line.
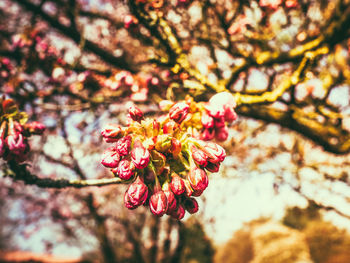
point(76, 36)
point(21, 173)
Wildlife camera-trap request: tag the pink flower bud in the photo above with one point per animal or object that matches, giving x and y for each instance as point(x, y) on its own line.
point(191, 205)
point(171, 200)
point(208, 134)
point(175, 147)
point(125, 169)
point(16, 143)
point(216, 111)
point(137, 192)
point(177, 184)
point(188, 188)
point(179, 111)
point(179, 213)
point(35, 127)
point(112, 132)
point(213, 167)
point(123, 145)
point(220, 122)
point(199, 157)
point(198, 179)
point(127, 201)
point(2, 147)
point(230, 114)
point(207, 121)
point(221, 134)
point(140, 155)
point(110, 158)
point(170, 127)
point(158, 203)
point(135, 113)
point(215, 152)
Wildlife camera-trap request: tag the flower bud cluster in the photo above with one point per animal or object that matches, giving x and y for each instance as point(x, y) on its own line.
point(205, 121)
point(14, 132)
point(166, 167)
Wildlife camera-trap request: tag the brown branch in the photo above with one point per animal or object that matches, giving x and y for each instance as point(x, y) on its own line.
point(20, 172)
point(76, 36)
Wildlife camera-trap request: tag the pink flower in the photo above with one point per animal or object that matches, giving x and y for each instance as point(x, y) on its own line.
point(221, 134)
point(123, 145)
point(169, 127)
point(140, 155)
point(110, 158)
point(215, 111)
point(198, 179)
point(215, 152)
point(175, 148)
point(135, 113)
point(219, 122)
point(179, 111)
point(208, 134)
point(171, 200)
point(199, 156)
point(16, 143)
point(127, 201)
point(191, 205)
point(2, 147)
point(177, 184)
point(125, 169)
point(35, 127)
point(179, 213)
point(112, 132)
point(158, 203)
point(137, 193)
point(213, 167)
point(230, 114)
point(207, 121)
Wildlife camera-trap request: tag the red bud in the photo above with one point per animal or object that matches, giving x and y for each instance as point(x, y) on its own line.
point(158, 203)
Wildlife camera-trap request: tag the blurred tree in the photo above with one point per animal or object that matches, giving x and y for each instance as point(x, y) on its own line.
point(76, 65)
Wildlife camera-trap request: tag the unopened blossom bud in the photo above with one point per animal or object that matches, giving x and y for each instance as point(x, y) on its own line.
point(163, 143)
point(112, 132)
point(2, 147)
point(135, 113)
point(223, 98)
point(169, 127)
point(127, 201)
point(158, 203)
point(230, 114)
point(188, 188)
point(221, 134)
point(175, 147)
point(199, 157)
point(137, 192)
point(16, 143)
point(110, 158)
point(8, 104)
point(140, 155)
point(17, 127)
point(198, 179)
point(35, 127)
point(216, 111)
point(125, 169)
point(207, 121)
point(219, 122)
point(213, 167)
point(179, 111)
point(179, 213)
point(207, 134)
point(191, 205)
point(215, 152)
point(123, 145)
point(170, 197)
point(177, 184)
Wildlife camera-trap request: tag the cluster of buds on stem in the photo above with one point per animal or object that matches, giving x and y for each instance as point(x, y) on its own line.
point(209, 120)
point(164, 164)
point(14, 131)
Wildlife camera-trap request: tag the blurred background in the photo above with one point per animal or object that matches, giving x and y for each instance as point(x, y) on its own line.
point(281, 195)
